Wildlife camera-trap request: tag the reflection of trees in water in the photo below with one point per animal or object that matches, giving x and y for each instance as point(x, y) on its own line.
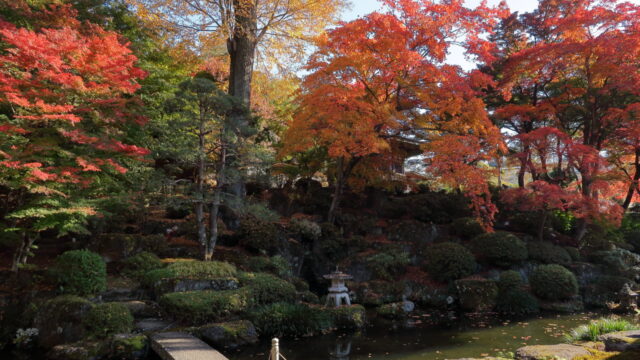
point(341, 350)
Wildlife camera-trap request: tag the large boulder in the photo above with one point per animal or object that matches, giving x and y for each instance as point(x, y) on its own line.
point(477, 294)
point(545, 352)
point(621, 341)
point(232, 334)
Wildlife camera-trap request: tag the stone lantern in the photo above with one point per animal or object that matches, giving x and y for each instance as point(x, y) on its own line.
point(628, 299)
point(338, 292)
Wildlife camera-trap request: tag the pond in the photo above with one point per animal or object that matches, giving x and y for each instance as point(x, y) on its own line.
point(419, 339)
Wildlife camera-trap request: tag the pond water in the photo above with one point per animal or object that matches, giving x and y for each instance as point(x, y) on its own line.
point(420, 339)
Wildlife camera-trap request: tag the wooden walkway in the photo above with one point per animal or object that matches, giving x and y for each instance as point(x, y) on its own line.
point(182, 346)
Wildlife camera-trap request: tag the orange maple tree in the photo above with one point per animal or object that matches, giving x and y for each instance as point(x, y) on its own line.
point(67, 97)
point(384, 77)
point(583, 74)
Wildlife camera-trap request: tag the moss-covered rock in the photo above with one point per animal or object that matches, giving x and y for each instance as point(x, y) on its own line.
point(231, 334)
point(621, 341)
point(349, 317)
point(500, 248)
point(477, 295)
point(63, 312)
point(546, 352)
point(129, 346)
point(266, 289)
point(449, 261)
point(108, 319)
point(397, 310)
point(191, 276)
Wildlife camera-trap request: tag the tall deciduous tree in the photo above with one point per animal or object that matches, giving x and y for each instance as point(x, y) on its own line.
point(278, 29)
point(589, 60)
point(383, 77)
point(66, 94)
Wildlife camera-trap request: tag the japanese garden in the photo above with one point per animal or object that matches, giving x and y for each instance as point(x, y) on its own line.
point(319, 179)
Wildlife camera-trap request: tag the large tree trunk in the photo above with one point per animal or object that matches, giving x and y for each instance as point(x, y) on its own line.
point(634, 186)
point(587, 192)
point(242, 49)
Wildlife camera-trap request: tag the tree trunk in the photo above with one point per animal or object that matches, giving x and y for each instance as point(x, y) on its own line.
point(582, 223)
point(215, 205)
point(633, 187)
point(543, 220)
point(21, 254)
point(202, 230)
point(242, 49)
point(342, 175)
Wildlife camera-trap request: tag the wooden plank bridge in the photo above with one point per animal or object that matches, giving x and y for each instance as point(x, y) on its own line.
point(183, 346)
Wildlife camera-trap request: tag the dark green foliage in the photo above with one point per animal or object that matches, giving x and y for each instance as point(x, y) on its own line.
point(335, 247)
point(267, 289)
point(276, 265)
point(307, 230)
point(290, 320)
point(178, 209)
point(391, 311)
point(152, 277)
point(500, 248)
point(553, 282)
point(510, 280)
point(467, 227)
point(140, 264)
point(353, 224)
point(574, 253)
point(409, 231)
point(517, 302)
point(81, 272)
point(259, 236)
point(388, 263)
point(202, 306)
point(547, 253)
point(109, 318)
point(439, 207)
point(562, 221)
point(449, 261)
point(197, 270)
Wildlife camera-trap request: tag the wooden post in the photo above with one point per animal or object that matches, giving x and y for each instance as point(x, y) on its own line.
point(275, 349)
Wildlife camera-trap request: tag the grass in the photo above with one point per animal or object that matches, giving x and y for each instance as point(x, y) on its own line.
point(591, 331)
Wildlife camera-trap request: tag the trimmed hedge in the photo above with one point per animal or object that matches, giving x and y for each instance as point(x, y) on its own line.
point(266, 289)
point(449, 261)
point(517, 302)
point(205, 305)
point(510, 280)
point(197, 270)
point(467, 227)
point(500, 248)
point(290, 320)
point(553, 282)
point(547, 253)
point(108, 319)
point(81, 272)
point(141, 263)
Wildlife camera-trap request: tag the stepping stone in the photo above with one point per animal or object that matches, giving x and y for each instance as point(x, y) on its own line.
point(621, 341)
point(182, 346)
point(544, 352)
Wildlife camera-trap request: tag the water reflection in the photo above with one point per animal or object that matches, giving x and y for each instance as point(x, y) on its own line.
point(341, 350)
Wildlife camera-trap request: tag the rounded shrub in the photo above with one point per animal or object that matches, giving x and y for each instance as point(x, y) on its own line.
point(553, 282)
point(141, 263)
point(547, 253)
point(266, 289)
point(259, 236)
point(449, 261)
point(467, 227)
point(203, 306)
point(388, 263)
point(510, 280)
point(517, 302)
point(500, 248)
point(306, 229)
point(81, 272)
point(290, 320)
point(109, 318)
